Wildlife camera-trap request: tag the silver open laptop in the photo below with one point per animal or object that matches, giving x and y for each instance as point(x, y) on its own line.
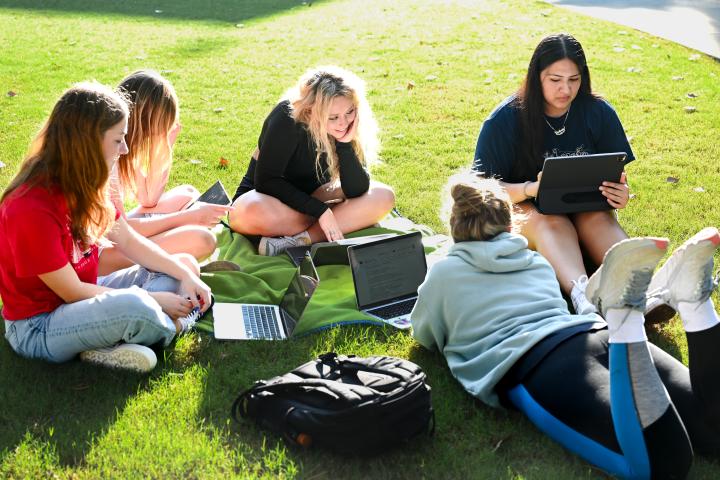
point(244, 321)
point(387, 274)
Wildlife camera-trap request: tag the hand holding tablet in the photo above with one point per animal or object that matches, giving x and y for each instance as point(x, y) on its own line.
point(573, 183)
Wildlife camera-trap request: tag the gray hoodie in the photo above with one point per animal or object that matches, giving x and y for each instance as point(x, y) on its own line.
point(487, 304)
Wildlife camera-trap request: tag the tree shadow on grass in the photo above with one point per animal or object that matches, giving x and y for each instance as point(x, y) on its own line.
point(232, 11)
point(65, 405)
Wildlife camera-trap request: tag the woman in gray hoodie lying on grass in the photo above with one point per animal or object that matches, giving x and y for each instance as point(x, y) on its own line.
point(494, 309)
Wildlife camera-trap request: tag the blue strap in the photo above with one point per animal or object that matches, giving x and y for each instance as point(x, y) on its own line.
point(625, 418)
point(586, 448)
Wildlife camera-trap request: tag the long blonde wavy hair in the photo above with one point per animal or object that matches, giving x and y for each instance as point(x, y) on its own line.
point(310, 101)
point(154, 112)
point(67, 153)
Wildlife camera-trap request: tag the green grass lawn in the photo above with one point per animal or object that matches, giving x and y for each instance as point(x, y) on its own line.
point(230, 60)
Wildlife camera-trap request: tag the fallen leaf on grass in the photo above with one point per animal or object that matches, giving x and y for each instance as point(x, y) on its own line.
point(692, 95)
point(218, 110)
point(223, 163)
point(499, 443)
point(672, 180)
point(410, 85)
point(11, 94)
point(698, 189)
point(694, 57)
point(618, 49)
point(677, 78)
point(195, 161)
point(689, 109)
point(431, 78)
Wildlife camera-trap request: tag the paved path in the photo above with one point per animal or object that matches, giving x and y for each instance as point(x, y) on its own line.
point(695, 24)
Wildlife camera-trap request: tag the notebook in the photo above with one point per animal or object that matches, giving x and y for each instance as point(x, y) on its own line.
point(386, 274)
point(571, 184)
point(331, 253)
point(244, 321)
point(215, 194)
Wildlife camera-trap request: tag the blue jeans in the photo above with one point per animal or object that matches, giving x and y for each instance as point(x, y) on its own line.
point(127, 314)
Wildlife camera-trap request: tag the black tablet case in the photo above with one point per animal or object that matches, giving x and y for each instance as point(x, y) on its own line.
point(571, 184)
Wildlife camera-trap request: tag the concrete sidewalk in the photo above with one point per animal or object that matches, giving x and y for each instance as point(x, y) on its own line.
point(695, 24)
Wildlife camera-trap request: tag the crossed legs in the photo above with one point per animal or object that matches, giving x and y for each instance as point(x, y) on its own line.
point(255, 213)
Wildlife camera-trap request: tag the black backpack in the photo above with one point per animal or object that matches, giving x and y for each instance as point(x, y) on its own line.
point(347, 404)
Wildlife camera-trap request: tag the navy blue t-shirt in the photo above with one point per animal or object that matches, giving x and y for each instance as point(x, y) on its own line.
point(591, 127)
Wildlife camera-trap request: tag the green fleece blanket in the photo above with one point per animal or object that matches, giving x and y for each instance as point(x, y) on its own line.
point(264, 279)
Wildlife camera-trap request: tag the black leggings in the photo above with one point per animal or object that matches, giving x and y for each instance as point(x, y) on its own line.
point(589, 396)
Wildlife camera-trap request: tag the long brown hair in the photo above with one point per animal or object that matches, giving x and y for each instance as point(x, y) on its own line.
point(310, 100)
point(154, 111)
point(67, 153)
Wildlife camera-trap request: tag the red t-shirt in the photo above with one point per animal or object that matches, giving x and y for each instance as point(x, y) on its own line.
point(35, 238)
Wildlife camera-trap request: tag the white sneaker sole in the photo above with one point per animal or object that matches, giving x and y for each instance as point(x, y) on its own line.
point(626, 256)
point(657, 309)
point(126, 356)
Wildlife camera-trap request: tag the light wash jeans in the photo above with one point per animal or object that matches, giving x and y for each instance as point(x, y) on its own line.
point(128, 314)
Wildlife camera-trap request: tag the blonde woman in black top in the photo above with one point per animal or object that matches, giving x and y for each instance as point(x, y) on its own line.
point(307, 180)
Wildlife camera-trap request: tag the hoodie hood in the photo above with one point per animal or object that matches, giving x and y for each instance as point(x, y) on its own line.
point(506, 252)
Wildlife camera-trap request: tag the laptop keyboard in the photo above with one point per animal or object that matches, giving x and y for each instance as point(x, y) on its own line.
point(394, 310)
point(261, 321)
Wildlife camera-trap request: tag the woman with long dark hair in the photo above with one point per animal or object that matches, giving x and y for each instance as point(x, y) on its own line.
point(555, 113)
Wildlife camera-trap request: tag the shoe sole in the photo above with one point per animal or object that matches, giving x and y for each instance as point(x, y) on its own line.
point(633, 254)
point(220, 266)
point(663, 312)
point(125, 359)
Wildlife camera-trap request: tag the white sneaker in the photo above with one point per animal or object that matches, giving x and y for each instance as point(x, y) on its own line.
point(271, 246)
point(188, 322)
point(126, 356)
point(623, 278)
point(686, 276)
point(577, 295)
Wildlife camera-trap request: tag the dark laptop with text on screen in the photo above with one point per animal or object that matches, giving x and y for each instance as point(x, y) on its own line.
point(571, 184)
point(243, 321)
point(386, 274)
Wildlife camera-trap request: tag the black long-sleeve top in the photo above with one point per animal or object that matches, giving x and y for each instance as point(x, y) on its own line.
point(286, 169)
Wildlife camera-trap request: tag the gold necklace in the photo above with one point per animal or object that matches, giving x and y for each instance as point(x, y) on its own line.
point(562, 129)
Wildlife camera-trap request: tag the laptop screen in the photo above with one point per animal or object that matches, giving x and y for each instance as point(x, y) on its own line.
point(388, 270)
point(298, 293)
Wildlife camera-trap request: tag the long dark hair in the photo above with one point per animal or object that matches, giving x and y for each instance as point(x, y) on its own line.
point(530, 99)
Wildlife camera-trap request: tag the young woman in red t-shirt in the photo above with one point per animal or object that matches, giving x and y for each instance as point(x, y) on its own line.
point(53, 216)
